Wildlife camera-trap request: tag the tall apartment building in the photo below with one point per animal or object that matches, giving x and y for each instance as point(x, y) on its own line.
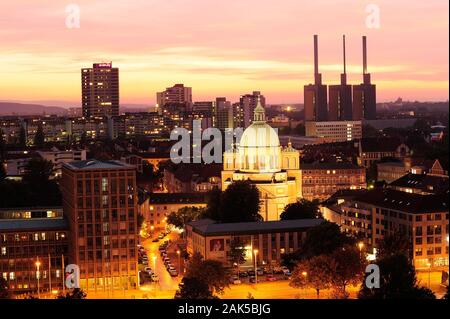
point(100, 202)
point(315, 95)
point(247, 105)
point(177, 94)
point(364, 94)
point(223, 114)
point(100, 90)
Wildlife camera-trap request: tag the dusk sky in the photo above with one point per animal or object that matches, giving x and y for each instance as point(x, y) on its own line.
point(222, 48)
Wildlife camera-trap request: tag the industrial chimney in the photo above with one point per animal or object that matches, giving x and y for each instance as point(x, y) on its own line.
point(317, 75)
point(366, 76)
point(344, 75)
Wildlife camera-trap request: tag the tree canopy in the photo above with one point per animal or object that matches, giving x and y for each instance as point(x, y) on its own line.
point(39, 137)
point(302, 209)
point(193, 288)
point(184, 215)
point(238, 203)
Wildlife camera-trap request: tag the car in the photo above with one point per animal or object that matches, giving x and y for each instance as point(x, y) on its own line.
point(161, 236)
point(251, 272)
point(162, 247)
point(285, 270)
point(148, 269)
point(288, 274)
point(155, 278)
point(155, 240)
point(173, 272)
point(145, 262)
point(271, 278)
point(243, 274)
point(260, 272)
point(235, 280)
point(252, 279)
point(166, 258)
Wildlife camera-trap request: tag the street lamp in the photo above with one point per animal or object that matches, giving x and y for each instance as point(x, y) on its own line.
point(154, 262)
point(179, 261)
point(429, 275)
point(305, 275)
point(360, 245)
point(38, 264)
point(255, 251)
point(151, 230)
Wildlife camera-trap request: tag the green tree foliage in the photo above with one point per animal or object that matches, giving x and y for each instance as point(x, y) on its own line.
point(39, 137)
point(393, 244)
point(315, 273)
point(212, 272)
point(239, 203)
point(237, 253)
point(302, 209)
point(4, 289)
point(38, 171)
point(194, 288)
point(324, 239)
point(397, 281)
point(76, 293)
point(184, 215)
point(347, 266)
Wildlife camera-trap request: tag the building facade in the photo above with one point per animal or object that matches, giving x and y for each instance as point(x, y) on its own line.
point(100, 90)
point(334, 131)
point(100, 202)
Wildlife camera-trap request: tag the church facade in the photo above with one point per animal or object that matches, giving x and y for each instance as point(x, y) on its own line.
point(260, 159)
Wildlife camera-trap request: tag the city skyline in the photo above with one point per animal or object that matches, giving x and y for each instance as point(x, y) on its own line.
point(41, 57)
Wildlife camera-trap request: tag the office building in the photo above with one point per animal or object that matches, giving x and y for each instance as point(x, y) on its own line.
point(100, 203)
point(100, 90)
point(271, 239)
point(177, 94)
point(334, 131)
point(247, 105)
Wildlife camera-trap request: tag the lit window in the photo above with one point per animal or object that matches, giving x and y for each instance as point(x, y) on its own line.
point(12, 276)
point(3, 251)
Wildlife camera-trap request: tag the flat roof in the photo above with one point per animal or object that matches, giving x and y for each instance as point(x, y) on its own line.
point(209, 227)
point(33, 224)
point(96, 164)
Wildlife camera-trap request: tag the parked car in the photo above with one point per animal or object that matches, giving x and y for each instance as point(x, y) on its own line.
point(260, 272)
point(288, 274)
point(173, 272)
point(161, 236)
point(148, 270)
point(251, 272)
point(285, 270)
point(155, 240)
point(252, 279)
point(235, 280)
point(271, 278)
point(155, 278)
point(243, 274)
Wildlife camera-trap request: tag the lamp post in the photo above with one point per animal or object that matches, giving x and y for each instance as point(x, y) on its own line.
point(255, 252)
point(429, 275)
point(305, 275)
point(38, 264)
point(360, 246)
point(179, 261)
point(151, 230)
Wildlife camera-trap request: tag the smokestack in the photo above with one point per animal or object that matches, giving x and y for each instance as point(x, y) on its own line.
point(344, 75)
point(366, 76)
point(364, 55)
point(317, 76)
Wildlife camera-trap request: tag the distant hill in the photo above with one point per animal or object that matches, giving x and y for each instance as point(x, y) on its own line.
point(10, 108)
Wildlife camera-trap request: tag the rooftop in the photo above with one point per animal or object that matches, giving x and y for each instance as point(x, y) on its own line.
point(380, 144)
point(96, 164)
point(329, 165)
point(406, 202)
point(425, 182)
point(211, 228)
point(33, 224)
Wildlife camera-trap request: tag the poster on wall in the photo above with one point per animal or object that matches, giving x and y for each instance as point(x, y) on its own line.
point(216, 245)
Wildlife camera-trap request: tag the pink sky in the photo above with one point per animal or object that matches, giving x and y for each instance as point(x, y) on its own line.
point(222, 48)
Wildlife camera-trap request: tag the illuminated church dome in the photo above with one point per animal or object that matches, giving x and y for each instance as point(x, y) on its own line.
point(259, 147)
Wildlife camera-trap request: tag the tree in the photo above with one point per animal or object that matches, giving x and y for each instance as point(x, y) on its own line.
point(38, 171)
point(39, 137)
point(302, 209)
point(393, 244)
point(237, 253)
point(76, 293)
point(397, 281)
point(324, 239)
point(4, 289)
point(213, 202)
point(2, 171)
point(210, 271)
point(22, 137)
point(315, 273)
point(446, 295)
point(347, 266)
point(183, 216)
point(193, 288)
point(240, 203)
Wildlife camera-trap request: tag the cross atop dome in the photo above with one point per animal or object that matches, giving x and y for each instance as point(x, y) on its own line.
point(259, 114)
